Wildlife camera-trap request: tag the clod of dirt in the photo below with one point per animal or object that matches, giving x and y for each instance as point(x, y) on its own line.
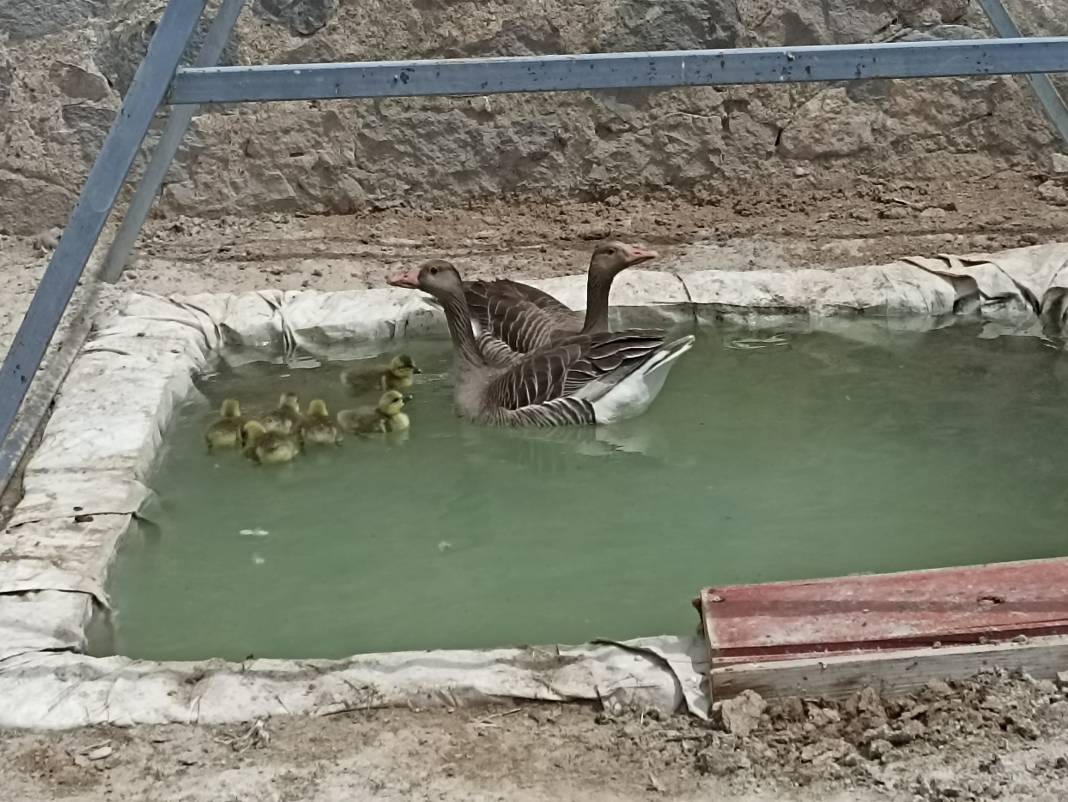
point(741, 715)
point(1053, 192)
point(720, 759)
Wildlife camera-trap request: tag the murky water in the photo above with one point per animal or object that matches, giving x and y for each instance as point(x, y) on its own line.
point(821, 455)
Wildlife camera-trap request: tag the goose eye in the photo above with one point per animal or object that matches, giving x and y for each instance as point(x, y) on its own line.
point(433, 271)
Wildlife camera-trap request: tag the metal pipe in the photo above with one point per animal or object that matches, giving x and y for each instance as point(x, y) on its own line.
point(1047, 94)
point(483, 76)
point(169, 142)
point(101, 188)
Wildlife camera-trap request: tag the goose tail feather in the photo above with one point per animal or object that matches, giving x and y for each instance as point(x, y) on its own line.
point(632, 394)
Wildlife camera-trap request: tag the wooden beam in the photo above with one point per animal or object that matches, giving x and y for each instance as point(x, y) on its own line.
point(897, 672)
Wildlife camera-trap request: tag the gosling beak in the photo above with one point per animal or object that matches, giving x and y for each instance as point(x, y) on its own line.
point(637, 255)
point(408, 397)
point(416, 370)
point(406, 278)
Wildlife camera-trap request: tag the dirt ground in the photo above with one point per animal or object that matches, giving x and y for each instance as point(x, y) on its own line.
point(797, 224)
point(995, 738)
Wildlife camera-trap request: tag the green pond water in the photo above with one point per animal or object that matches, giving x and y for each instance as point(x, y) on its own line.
point(824, 455)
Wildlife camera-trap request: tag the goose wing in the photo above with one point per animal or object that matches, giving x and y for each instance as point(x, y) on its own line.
point(520, 316)
point(506, 288)
point(561, 370)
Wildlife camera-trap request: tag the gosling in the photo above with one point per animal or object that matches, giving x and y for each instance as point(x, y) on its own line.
point(398, 375)
point(385, 417)
point(226, 431)
point(266, 446)
point(286, 418)
point(318, 427)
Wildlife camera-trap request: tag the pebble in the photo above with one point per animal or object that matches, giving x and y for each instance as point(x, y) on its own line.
point(1053, 192)
point(878, 748)
point(894, 213)
point(719, 762)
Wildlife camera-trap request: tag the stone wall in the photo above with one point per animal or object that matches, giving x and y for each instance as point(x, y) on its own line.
point(65, 63)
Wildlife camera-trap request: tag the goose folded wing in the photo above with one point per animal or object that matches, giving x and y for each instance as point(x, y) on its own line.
point(563, 369)
point(520, 324)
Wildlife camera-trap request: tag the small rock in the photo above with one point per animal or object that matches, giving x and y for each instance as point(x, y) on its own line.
point(894, 213)
point(75, 82)
point(1060, 163)
point(943, 785)
point(801, 172)
point(1054, 193)
point(825, 751)
point(720, 762)
point(741, 715)
point(937, 687)
point(878, 748)
point(915, 711)
point(1045, 686)
point(933, 213)
point(1024, 727)
point(594, 233)
point(100, 753)
point(317, 273)
point(1062, 679)
point(790, 709)
point(906, 734)
point(48, 240)
point(821, 716)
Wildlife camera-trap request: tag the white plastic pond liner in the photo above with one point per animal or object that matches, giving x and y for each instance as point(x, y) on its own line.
point(90, 477)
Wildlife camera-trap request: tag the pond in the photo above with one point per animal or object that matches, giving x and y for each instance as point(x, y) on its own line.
point(800, 455)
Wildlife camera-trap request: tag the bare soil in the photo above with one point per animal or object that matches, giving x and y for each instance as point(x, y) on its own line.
point(994, 738)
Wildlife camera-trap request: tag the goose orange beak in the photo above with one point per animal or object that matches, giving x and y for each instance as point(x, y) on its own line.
point(406, 278)
point(637, 255)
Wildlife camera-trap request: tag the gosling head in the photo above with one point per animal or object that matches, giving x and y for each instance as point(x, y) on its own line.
point(252, 431)
point(609, 258)
point(403, 367)
point(289, 401)
point(317, 409)
point(230, 408)
point(391, 403)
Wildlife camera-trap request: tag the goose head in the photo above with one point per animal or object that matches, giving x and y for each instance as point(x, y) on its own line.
point(610, 257)
point(230, 408)
point(403, 367)
point(391, 403)
point(317, 409)
point(436, 277)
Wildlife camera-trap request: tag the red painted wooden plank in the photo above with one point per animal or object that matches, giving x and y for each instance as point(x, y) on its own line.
point(974, 604)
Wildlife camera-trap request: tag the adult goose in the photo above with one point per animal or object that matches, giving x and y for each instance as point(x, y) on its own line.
point(512, 318)
point(582, 379)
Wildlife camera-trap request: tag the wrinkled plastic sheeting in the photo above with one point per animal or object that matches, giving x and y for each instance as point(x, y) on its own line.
point(58, 691)
point(1020, 291)
point(41, 621)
